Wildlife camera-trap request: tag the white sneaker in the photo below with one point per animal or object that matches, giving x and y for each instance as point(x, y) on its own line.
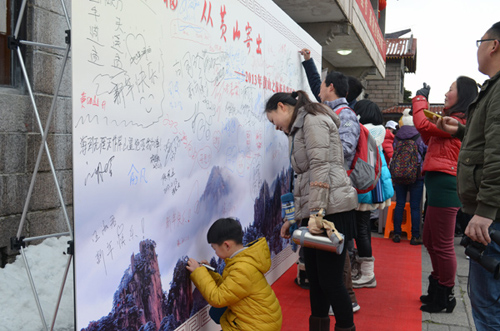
point(355, 308)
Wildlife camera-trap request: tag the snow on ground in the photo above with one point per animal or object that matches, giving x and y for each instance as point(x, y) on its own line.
point(18, 309)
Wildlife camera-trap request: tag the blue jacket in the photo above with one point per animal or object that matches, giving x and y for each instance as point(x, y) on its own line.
point(386, 181)
point(313, 77)
point(365, 200)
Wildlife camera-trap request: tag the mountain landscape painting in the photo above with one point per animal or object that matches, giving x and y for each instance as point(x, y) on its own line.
point(141, 302)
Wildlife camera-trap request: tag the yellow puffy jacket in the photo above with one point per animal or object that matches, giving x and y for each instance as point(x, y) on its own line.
point(252, 304)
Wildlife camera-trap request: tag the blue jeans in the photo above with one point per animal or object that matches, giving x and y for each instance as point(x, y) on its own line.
point(416, 190)
point(485, 290)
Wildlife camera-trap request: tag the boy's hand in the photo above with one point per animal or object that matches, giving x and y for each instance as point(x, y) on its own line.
point(305, 53)
point(192, 264)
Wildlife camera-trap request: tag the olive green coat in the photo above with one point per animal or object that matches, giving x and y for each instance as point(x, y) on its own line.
point(478, 175)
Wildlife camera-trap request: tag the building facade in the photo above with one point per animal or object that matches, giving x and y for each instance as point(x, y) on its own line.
point(401, 59)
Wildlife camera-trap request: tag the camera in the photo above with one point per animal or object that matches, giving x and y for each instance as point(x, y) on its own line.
point(475, 250)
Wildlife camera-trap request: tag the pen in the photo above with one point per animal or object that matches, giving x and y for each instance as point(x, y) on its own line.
point(209, 267)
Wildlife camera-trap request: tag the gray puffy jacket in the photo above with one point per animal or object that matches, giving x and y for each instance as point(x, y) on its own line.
point(318, 162)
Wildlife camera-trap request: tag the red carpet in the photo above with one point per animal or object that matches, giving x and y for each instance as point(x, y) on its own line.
point(393, 305)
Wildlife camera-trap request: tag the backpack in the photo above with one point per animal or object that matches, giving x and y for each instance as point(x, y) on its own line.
point(404, 167)
point(366, 165)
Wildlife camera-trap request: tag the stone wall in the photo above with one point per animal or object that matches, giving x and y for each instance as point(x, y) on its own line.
point(389, 91)
point(20, 134)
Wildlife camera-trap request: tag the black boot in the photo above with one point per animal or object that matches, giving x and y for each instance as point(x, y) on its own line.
point(301, 278)
point(431, 291)
point(443, 299)
point(319, 323)
point(325, 324)
point(352, 328)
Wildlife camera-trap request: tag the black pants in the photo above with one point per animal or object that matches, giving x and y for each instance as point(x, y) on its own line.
point(325, 271)
point(364, 235)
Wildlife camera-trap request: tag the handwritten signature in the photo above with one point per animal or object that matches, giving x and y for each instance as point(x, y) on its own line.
point(101, 170)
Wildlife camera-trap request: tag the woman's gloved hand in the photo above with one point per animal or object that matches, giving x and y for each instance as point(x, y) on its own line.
point(424, 91)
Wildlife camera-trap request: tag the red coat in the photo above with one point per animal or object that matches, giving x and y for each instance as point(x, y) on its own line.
point(442, 148)
point(387, 146)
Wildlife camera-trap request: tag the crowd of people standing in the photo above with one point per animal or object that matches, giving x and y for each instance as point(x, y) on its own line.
point(441, 160)
point(456, 157)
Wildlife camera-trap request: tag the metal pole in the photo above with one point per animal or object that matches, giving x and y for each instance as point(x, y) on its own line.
point(35, 294)
point(31, 43)
point(43, 144)
point(66, 14)
point(20, 19)
point(47, 236)
point(68, 264)
point(30, 189)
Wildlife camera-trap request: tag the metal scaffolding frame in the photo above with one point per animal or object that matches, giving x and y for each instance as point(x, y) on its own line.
point(19, 242)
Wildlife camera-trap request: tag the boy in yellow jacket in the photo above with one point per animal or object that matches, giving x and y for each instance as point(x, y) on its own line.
point(242, 288)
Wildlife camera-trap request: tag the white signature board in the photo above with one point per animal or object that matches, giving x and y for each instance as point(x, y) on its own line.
point(164, 91)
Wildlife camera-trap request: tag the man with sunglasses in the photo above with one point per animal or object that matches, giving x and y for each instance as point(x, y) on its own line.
point(478, 178)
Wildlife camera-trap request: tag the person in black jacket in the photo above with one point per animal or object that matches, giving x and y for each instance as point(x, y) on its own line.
point(478, 180)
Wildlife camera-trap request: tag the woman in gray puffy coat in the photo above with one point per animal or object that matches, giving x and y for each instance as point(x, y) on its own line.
point(321, 183)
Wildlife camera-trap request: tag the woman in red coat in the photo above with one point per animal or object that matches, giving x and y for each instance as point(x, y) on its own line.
point(440, 171)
